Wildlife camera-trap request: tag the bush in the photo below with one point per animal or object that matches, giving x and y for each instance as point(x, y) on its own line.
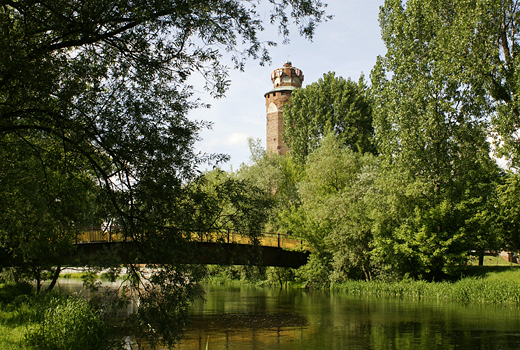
point(69, 322)
point(10, 292)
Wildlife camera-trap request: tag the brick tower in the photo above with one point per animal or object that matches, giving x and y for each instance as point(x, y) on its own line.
point(285, 80)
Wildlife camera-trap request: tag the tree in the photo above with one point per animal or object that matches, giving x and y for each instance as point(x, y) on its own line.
point(431, 130)
point(485, 51)
point(107, 80)
point(331, 103)
point(104, 83)
point(46, 198)
point(276, 175)
point(509, 213)
point(477, 44)
point(224, 204)
point(335, 215)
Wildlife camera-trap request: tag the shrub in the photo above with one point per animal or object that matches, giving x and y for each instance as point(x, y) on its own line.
point(10, 292)
point(69, 322)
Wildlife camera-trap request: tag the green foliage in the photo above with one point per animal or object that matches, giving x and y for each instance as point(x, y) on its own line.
point(69, 323)
point(330, 104)
point(93, 125)
point(316, 273)
point(238, 275)
point(501, 288)
point(469, 49)
point(224, 204)
point(415, 236)
point(431, 129)
point(335, 215)
point(218, 274)
point(336, 197)
point(277, 176)
point(280, 276)
point(9, 292)
point(47, 196)
point(509, 212)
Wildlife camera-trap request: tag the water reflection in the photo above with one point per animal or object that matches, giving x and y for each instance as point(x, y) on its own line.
point(246, 321)
point(255, 318)
point(269, 319)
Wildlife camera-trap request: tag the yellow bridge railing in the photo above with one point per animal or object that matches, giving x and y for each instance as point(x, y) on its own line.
point(96, 234)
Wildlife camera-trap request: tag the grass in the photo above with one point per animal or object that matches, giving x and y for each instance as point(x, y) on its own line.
point(15, 321)
point(25, 321)
point(16, 315)
point(492, 261)
point(482, 284)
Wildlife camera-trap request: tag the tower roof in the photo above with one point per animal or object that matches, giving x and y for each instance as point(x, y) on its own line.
point(286, 78)
point(282, 88)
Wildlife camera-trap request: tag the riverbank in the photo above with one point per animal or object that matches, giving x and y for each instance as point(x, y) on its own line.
point(498, 282)
point(54, 320)
point(487, 285)
point(498, 285)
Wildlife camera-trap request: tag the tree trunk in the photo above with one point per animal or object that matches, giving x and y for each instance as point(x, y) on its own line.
point(38, 281)
point(54, 278)
point(481, 259)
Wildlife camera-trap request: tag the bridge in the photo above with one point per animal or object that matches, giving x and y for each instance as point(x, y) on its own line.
point(223, 248)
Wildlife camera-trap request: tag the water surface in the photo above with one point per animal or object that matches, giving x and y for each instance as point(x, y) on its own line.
point(243, 318)
point(256, 318)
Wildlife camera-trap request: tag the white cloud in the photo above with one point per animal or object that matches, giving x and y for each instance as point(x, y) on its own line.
point(237, 139)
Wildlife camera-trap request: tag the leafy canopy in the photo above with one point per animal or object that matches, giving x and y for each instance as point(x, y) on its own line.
point(94, 101)
point(432, 131)
point(330, 104)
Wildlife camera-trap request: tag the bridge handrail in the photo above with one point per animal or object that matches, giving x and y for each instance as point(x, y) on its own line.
point(94, 234)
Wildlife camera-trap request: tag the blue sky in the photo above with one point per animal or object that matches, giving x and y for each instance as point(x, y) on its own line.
point(348, 45)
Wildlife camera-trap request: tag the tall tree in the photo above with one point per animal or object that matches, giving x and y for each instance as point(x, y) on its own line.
point(335, 214)
point(476, 42)
point(509, 213)
point(274, 174)
point(431, 130)
point(331, 103)
point(105, 82)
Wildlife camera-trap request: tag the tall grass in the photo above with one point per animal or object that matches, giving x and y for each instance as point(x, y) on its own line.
point(49, 321)
point(492, 287)
point(16, 315)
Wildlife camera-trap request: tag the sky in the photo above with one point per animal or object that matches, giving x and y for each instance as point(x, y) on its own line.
point(347, 45)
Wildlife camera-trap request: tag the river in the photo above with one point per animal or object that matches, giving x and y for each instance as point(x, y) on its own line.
point(243, 318)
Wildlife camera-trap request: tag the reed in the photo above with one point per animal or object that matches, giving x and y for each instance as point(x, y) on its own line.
point(495, 288)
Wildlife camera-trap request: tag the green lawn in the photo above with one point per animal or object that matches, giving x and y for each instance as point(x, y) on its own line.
point(15, 320)
point(493, 261)
point(11, 333)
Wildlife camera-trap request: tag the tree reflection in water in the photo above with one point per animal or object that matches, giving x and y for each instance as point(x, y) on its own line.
point(243, 318)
